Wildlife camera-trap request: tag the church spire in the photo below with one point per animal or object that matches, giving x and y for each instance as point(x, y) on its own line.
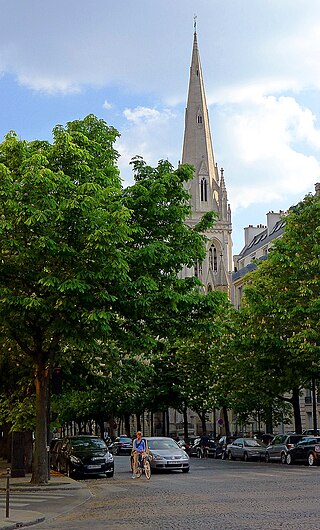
point(197, 145)
point(207, 188)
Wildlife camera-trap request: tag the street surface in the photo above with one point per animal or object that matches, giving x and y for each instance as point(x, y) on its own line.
point(217, 495)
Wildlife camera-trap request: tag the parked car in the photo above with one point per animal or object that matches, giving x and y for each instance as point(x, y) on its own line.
point(122, 445)
point(187, 444)
point(223, 442)
point(310, 432)
point(166, 454)
point(280, 445)
point(246, 449)
point(307, 451)
point(85, 454)
point(196, 449)
point(266, 438)
point(55, 448)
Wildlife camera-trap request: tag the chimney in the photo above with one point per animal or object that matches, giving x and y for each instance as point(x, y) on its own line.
point(250, 232)
point(272, 219)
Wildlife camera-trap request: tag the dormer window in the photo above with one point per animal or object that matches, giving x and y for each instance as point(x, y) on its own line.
point(204, 189)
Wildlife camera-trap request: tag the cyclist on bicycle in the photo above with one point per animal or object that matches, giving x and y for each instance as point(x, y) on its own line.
point(139, 451)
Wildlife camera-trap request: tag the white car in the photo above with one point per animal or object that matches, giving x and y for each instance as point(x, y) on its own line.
point(166, 454)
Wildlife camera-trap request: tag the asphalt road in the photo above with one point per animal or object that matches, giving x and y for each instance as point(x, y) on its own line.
point(217, 495)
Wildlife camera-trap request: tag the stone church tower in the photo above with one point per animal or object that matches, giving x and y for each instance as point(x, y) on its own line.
point(207, 188)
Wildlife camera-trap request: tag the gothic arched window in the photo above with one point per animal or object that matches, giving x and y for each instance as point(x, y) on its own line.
point(213, 260)
point(204, 189)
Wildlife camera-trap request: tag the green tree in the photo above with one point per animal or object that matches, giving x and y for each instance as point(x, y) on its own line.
point(281, 309)
point(62, 232)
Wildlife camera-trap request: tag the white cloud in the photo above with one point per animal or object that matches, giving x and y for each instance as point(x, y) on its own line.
point(149, 133)
point(107, 105)
point(275, 148)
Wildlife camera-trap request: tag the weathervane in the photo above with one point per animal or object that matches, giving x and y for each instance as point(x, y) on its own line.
point(195, 23)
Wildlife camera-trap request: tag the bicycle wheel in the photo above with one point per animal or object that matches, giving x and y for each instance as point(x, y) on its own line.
point(147, 470)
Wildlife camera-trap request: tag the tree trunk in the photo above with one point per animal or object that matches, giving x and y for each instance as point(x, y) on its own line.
point(203, 422)
point(226, 420)
point(28, 451)
point(269, 420)
point(40, 471)
point(138, 422)
point(185, 423)
point(296, 410)
point(164, 423)
point(127, 423)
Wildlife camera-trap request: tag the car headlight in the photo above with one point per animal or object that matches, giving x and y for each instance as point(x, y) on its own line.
point(109, 457)
point(184, 455)
point(155, 456)
point(75, 460)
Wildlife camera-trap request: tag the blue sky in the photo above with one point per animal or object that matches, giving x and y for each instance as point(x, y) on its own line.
point(128, 63)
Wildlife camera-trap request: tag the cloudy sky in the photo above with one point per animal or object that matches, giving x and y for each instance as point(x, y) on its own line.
point(128, 62)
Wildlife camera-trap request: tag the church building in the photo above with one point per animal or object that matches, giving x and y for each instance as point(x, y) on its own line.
point(207, 188)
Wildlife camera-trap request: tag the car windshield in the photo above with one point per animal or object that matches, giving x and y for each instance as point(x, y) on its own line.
point(162, 444)
point(84, 443)
point(253, 443)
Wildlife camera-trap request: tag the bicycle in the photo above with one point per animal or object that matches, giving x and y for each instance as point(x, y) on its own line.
point(143, 466)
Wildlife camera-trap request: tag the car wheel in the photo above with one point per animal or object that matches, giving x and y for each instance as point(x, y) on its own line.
point(245, 457)
point(311, 459)
point(289, 459)
point(283, 458)
point(230, 457)
point(185, 469)
point(267, 458)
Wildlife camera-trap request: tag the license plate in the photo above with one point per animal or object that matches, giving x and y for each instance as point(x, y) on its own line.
point(174, 462)
point(94, 466)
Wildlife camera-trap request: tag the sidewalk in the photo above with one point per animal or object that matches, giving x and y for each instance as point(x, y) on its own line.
point(20, 518)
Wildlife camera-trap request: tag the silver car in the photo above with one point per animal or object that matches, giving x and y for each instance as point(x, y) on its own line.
point(166, 454)
point(246, 449)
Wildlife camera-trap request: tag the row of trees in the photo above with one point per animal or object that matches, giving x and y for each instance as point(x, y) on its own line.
point(89, 281)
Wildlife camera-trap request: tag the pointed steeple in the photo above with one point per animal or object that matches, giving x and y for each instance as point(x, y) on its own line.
point(197, 144)
point(207, 188)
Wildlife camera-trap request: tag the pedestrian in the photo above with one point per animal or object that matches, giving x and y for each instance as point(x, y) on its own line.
point(204, 442)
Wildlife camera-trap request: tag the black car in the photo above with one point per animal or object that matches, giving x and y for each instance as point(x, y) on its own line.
point(85, 454)
point(280, 445)
point(188, 444)
point(307, 451)
point(122, 445)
